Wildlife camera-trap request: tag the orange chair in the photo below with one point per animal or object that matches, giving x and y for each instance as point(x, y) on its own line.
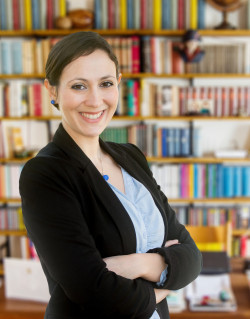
point(212, 238)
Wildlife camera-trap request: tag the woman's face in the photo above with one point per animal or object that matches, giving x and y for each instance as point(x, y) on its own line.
point(88, 95)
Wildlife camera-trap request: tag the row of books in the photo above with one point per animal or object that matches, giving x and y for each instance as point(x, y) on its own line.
point(30, 14)
point(153, 54)
point(161, 55)
point(24, 55)
point(241, 246)
point(9, 180)
point(158, 98)
point(156, 141)
point(127, 51)
point(11, 218)
point(20, 98)
point(203, 180)
point(239, 216)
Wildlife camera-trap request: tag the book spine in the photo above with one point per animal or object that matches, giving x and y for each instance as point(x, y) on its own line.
point(201, 14)
point(97, 6)
point(157, 15)
point(166, 14)
point(50, 13)
point(62, 8)
point(143, 14)
point(28, 14)
point(193, 14)
point(3, 18)
point(16, 15)
point(123, 13)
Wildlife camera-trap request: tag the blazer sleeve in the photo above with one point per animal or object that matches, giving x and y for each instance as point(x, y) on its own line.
point(55, 222)
point(184, 260)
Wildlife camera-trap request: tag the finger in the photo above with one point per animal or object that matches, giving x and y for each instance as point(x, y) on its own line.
point(171, 242)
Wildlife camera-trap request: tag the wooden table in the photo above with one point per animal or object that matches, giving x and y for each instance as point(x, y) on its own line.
point(16, 309)
point(242, 295)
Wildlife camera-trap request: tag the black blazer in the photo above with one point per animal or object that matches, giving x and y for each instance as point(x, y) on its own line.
point(75, 220)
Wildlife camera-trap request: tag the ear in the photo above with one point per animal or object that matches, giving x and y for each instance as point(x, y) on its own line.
point(51, 89)
point(119, 79)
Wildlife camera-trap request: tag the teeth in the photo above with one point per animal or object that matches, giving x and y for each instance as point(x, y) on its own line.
point(92, 116)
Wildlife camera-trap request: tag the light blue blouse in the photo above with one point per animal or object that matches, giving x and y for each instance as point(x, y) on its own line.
point(147, 220)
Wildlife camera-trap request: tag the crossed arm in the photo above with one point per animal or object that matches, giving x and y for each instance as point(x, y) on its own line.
point(148, 266)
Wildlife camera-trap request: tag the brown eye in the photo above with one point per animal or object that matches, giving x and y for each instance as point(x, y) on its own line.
point(78, 87)
point(107, 84)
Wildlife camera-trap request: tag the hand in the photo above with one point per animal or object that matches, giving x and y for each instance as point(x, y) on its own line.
point(160, 294)
point(171, 242)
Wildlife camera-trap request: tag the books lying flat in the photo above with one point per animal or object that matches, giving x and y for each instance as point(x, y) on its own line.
point(231, 153)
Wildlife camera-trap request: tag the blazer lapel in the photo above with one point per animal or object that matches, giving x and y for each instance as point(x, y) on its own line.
point(100, 188)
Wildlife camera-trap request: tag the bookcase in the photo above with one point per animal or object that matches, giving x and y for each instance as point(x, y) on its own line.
point(192, 174)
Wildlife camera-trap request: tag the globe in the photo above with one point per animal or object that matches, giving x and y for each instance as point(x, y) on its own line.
point(226, 6)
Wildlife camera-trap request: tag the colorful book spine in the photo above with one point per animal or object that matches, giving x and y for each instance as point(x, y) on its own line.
point(123, 14)
point(62, 8)
point(201, 14)
point(28, 14)
point(130, 14)
point(97, 6)
point(193, 14)
point(166, 14)
point(157, 15)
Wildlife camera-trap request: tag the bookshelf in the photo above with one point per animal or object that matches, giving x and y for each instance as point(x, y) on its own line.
point(140, 76)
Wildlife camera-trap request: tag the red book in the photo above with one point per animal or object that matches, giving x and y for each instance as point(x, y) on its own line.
point(16, 14)
point(50, 14)
point(136, 98)
point(37, 95)
point(181, 14)
point(111, 14)
point(135, 54)
point(143, 14)
point(177, 62)
point(243, 246)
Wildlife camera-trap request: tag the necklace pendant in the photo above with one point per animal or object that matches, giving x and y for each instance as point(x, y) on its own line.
point(106, 177)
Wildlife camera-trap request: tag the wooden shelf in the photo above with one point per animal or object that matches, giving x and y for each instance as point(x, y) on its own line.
point(11, 232)
point(210, 160)
point(178, 160)
point(171, 33)
point(241, 232)
point(137, 118)
point(143, 75)
point(235, 200)
point(5, 200)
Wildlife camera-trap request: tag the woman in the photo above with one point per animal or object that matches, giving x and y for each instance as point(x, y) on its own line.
point(109, 244)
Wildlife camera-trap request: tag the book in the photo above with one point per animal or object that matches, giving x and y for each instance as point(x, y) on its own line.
point(123, 14)
point(157, 15)
point(28, 14)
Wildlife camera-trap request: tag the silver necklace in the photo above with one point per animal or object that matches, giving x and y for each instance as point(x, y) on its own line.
point(105, 176)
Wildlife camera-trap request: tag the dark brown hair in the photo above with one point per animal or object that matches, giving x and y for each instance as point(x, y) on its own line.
point(72, 47)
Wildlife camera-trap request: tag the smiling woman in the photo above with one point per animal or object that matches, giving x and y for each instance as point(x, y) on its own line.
point(109, 243)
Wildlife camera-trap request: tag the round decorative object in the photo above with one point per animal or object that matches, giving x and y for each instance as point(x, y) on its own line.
point(63, 23)
point(81, 18)
point(106, 177)
point(226, 6)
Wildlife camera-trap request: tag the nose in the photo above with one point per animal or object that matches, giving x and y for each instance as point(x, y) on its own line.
point(93, 98)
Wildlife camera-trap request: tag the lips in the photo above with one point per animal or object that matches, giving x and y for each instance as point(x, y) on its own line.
point(92, 116)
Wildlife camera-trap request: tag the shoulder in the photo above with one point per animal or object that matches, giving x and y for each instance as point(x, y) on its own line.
point(49, 164)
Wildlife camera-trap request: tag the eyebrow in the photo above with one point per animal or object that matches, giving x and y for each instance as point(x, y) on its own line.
point(86, 80)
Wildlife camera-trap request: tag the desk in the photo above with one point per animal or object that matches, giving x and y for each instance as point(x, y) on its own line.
point(16, 309)
point(242, 295)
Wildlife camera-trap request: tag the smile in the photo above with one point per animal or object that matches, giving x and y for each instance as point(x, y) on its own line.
point(92, 116)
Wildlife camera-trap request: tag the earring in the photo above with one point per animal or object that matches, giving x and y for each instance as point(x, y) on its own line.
point(53, 102)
